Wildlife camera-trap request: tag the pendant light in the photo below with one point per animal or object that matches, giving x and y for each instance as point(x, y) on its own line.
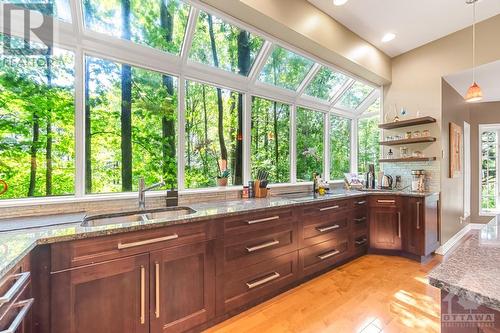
point(474, 93)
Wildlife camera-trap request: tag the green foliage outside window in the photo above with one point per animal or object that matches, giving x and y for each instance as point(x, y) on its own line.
point(37, 149)
point(489, 186)
point(310, 128)
point(326, 84)
point(354, 96)
point(340, 147)
point(270, 136)
point(368, 143)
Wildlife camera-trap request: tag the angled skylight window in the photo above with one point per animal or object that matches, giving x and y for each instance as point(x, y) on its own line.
point(220, 44)
point(55, 8)
point(285, 69)
point(158, 24)
point(326, 84)
point(356, 94)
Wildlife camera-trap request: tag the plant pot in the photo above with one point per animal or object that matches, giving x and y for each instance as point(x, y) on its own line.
point(221, 182)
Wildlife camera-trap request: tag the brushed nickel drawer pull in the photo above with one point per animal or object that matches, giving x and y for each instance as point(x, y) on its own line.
point(399, 224)
point(122, 246)
point(21, 278)
point(157, 289)
point(262, 281)
point(325, 229)
point(262, 246)
point(361, 202)
point(418, 215)
point(361, 219)
point(25, 305)
point(328, 255)
point(386, 201)
point(143, 295)
point(361, 242)
point(329, 208)
point(272, 218)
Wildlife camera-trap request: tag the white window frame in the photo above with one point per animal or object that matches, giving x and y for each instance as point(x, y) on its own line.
point(76, 38)
point(488, 128)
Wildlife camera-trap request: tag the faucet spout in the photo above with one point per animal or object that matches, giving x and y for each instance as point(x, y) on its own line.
point(143, 189)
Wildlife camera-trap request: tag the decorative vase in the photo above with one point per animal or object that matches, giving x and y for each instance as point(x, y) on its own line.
point(222, 182)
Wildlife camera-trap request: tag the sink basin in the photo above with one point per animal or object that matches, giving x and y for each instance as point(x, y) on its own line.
point(169, 213)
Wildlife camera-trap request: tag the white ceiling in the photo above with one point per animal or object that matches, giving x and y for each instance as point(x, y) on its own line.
point(487, 76)
point(415, 23)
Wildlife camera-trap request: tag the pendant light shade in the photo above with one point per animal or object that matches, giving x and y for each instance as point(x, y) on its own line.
point(474, 93)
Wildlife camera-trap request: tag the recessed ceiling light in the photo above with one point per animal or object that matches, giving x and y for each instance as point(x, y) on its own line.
point(339, 2)
point(388, 37)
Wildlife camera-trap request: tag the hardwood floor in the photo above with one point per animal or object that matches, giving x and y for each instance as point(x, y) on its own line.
point(371, 294)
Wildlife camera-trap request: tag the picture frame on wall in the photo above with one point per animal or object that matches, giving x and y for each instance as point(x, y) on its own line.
point(456, 139)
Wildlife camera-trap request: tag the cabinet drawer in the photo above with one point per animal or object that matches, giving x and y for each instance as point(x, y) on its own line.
point(88, 251)
point(257, 221)
point(317, 229)
point(14, 286)
point(360, 244)
point(258, 281)
point(251, 248)
point(359, 222)
point(321, 256)
point(359, 203)
point(16, 317)
point(326, 207)
point(384, 201)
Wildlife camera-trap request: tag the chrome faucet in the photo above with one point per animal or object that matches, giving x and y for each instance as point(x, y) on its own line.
point(143, 189)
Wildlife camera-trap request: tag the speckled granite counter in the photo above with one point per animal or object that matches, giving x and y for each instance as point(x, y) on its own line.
point(473, 270)
point(16, 244)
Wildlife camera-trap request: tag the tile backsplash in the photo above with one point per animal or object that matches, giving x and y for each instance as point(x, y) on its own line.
point(404, 169)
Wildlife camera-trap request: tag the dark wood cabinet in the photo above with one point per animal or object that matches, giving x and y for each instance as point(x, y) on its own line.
point(109, 297)
point(386, 229)
point(421, 225)
point(182, 287)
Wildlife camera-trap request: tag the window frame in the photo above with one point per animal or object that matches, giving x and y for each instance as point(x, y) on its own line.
point(84, 42)
point(488, 128)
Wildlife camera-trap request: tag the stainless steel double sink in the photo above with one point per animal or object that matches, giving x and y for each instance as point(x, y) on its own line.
point(169, 213)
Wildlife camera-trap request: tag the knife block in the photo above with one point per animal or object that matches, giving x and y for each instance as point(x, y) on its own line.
point(259, 192)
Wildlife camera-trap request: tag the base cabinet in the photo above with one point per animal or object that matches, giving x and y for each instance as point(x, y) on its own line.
point(109, 297)
point(385, 228)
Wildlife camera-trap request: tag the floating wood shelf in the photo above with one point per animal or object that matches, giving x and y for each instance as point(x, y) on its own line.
point(407, 123)
point(407, 141)
point(407, 159)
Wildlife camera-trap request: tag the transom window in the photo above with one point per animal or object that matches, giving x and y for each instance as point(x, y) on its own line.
point(168, 90)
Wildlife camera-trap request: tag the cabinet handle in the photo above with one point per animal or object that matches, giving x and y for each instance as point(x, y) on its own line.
point(262, 246)
point(399, 224)
point(386, 201)
point(361, 202)
point(25, 305)
point(263, 220)
point(325, 229)
point(21, 280)
point(361, 219)
point(418, 215)
point(328, 208)
point(157, 289)
point(328, 255)
point(361, 242)
point(262, 281)
point(143, 295)
point(122, 246)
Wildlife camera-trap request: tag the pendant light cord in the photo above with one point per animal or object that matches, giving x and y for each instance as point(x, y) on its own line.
point(474, 42)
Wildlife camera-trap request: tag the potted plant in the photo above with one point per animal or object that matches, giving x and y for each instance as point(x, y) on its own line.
point(223, 173)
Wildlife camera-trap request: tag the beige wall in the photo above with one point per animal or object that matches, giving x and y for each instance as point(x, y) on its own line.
point(301, 24)
point(417, 85)
point(482, 113)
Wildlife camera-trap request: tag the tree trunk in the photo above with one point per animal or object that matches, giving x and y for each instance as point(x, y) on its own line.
point(205, 122)
point(33, 153)
point(276, 143)
point(244, 64)
point(220, 106)
point(48, 147)
point(168, 121)
point(88, 133)
point(126, 108)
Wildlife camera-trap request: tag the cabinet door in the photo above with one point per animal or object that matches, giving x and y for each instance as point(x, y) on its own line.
point(109, 297)
point(182, 287)
point(385, 228)
point(414, 226)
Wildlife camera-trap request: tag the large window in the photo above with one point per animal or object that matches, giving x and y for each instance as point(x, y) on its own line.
point(270, 148)
point(139, 92)
point(368, 143)
point(131, 116)
point(310, 131)
point(213, 135)
point(340, 147)
point(37, 148)
point(489, 141)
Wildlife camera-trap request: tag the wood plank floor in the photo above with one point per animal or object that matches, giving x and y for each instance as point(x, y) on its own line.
point(370, 294)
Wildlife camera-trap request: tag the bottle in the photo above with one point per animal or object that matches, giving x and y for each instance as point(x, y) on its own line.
point(315, 184)
point(251, 192)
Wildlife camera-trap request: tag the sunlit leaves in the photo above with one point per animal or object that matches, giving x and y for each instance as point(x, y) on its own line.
point(340, 147)
point(354, 96)
point(326, 84)
point(310, 131)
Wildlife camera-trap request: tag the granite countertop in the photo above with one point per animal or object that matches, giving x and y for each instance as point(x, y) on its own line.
point(25, 233)
point(472, 271)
